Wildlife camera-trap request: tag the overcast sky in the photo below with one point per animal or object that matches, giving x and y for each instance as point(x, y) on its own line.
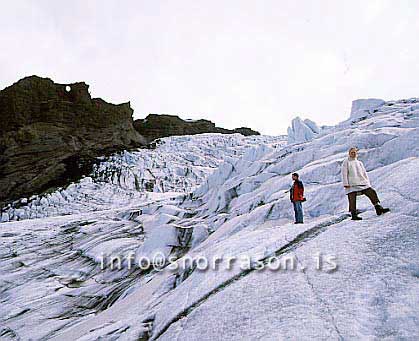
point(237, 63)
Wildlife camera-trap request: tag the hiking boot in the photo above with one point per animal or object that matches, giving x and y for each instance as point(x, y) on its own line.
point(355, 216)
point(380, 209)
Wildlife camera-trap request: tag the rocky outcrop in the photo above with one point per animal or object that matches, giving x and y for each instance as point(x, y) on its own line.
point(302, 131)
point(157, 126)
point(51, 134)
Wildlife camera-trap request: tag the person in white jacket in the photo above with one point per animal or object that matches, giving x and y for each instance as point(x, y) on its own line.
point(356, 182)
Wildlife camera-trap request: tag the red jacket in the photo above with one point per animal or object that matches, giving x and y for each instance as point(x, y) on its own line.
point(297, 191)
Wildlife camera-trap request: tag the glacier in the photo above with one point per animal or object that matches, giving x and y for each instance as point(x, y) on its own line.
point(361, 107)
point(177, 165)
point(302, 131)
point(212, 197)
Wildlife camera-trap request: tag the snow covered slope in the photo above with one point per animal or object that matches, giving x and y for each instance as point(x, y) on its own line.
point(339, 279)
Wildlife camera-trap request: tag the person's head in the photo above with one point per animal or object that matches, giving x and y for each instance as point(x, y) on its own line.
point(295, 176)
point(353, 152)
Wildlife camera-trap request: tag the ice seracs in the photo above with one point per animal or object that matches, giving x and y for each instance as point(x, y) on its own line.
point(302, 131)
point(363, 107)
point(176, 165)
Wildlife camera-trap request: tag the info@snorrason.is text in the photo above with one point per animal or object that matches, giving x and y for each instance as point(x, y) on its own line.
point(158, 261)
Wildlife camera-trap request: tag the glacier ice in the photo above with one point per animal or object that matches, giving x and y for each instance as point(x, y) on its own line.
point(302, 131)
point(231, 202)
point(361, 107)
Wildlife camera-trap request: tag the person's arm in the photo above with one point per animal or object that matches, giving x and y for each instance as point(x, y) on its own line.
point(364, 171)
point(345, 173)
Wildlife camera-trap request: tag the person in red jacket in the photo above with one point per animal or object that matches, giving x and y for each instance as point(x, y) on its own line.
point(297, 198)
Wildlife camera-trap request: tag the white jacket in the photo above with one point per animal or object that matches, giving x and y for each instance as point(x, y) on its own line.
point(354, 173)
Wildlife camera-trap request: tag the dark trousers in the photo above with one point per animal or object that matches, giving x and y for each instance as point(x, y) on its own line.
point(298, 210)
point(369, 192)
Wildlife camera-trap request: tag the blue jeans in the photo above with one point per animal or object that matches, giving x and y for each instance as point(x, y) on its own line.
point(298, 209)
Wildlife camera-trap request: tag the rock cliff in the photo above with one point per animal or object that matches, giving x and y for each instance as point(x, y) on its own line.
point(51, 133)
point(157, 126)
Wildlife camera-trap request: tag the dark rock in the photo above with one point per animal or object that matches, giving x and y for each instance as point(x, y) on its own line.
point(157, 126)
point(51, 134)
point(245, 131)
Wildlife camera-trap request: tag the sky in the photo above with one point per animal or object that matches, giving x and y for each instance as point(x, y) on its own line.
point(237, 63)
